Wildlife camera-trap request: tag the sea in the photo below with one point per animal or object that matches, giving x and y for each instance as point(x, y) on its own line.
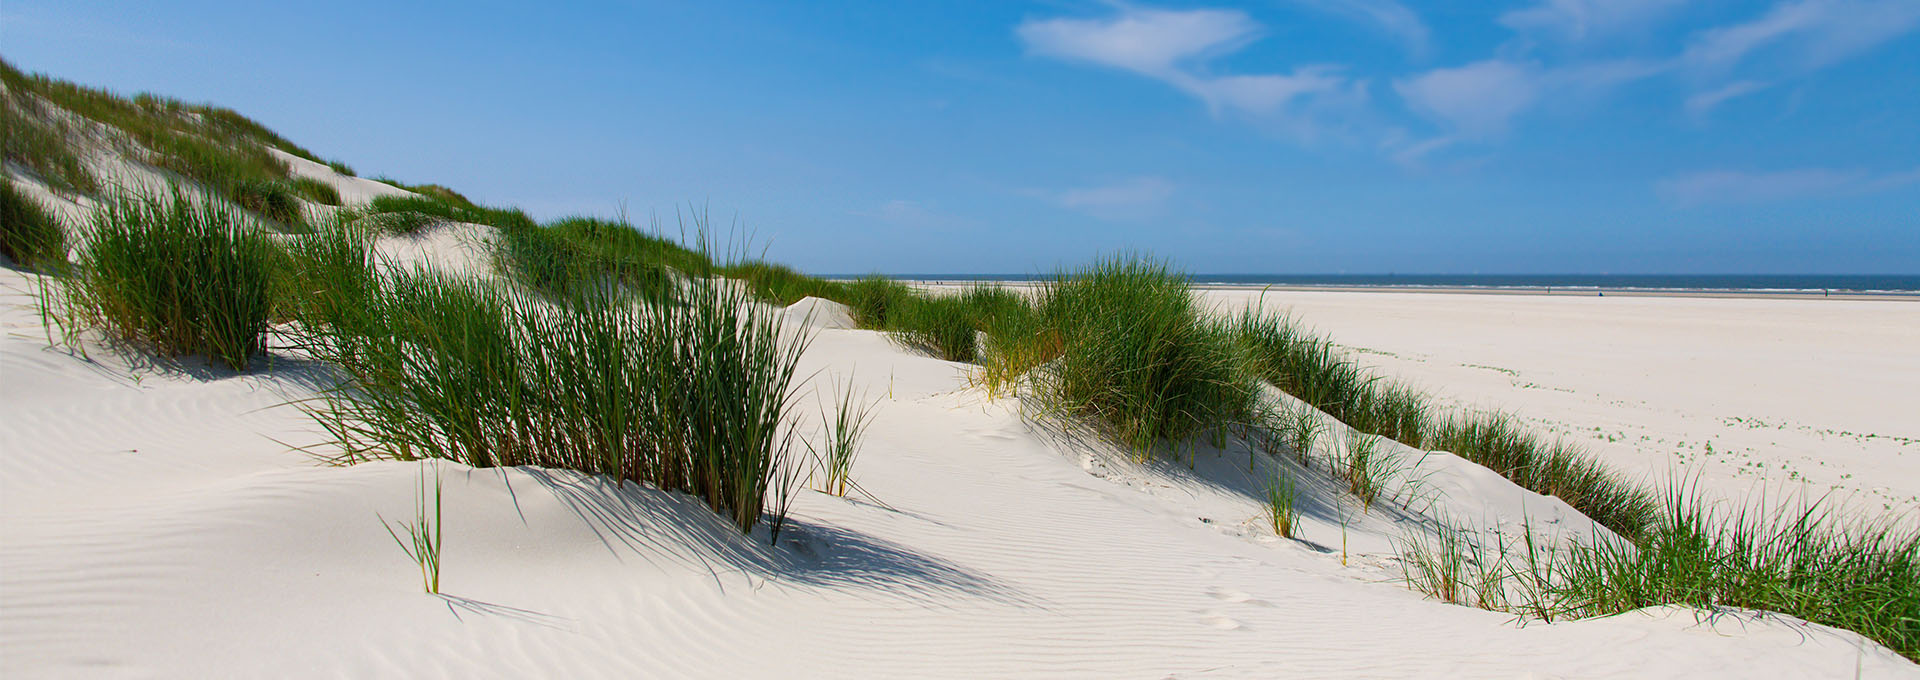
point(1774, 283)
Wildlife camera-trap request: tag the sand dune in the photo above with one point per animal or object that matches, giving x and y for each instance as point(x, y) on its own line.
point(158, 524)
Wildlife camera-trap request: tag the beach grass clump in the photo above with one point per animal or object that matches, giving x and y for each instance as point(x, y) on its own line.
point(941, 325)
point(30, 234)
point(689, 394)
point(1139, 356)
point(569, 256)
point(315, 190)
point(270, 198)
point(1802, 560)
point(177, 273)
point(1805, 562)
point(342, 168)
point(873, 298)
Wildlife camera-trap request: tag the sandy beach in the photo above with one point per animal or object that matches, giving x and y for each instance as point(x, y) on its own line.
point(263, 417)
point(1744, 395)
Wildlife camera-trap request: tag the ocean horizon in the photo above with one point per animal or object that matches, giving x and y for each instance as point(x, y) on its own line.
point(1863, 283)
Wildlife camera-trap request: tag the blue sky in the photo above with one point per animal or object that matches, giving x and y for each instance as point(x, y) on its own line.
point(1284, 136)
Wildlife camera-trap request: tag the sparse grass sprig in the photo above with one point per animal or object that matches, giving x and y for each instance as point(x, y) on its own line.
point(841, 440)
point(1282, 517)
point(424, 534)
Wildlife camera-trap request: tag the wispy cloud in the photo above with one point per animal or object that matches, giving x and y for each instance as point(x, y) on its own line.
point(1388, 16)
point(1173, 46)
point(1702, 103)
point(1810, 34)
point(1737, 186)
point(1126, 199)
point(1585, 20)
point(1477, 100)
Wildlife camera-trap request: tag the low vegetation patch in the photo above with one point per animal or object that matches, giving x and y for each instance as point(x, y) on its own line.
point(316, 191)
point(30, 235)
point(33, 138)
point(690, 394)
point(1806, 563)
point(1138, 356)
point(178, 273)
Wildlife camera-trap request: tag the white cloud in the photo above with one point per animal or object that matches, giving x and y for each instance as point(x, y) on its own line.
point(1389, 16)
point(1736, 186)
point(1699, 105)
point(1136, 197)
point(1813, 33)
point(1173, 46)
point(1477, 100)
point(1147, 41)
point(1583, 20)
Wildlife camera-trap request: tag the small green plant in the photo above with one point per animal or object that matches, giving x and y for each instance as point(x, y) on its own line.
point(1300, 429)
point(834, 457)
point(1367, 467)
point(1281, 514)
point(423, 541)
point(30, 235)
point(176, 273)
point(341, 168)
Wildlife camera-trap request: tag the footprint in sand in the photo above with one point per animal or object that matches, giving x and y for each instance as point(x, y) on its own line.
point(1231, 596)
point(1218, 621)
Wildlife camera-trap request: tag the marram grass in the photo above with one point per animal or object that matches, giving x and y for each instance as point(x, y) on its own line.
point(30, 234)
point(178, 273)
point(690, 394)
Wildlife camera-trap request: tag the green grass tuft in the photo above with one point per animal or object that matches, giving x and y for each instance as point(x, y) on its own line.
point(1139, 356)
point(30, 235)
point(177, 273)
point(316, 191)
point(688, 394)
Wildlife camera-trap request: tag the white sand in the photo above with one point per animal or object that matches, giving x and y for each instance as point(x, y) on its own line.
point(156, 524)
point(1794, 397)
